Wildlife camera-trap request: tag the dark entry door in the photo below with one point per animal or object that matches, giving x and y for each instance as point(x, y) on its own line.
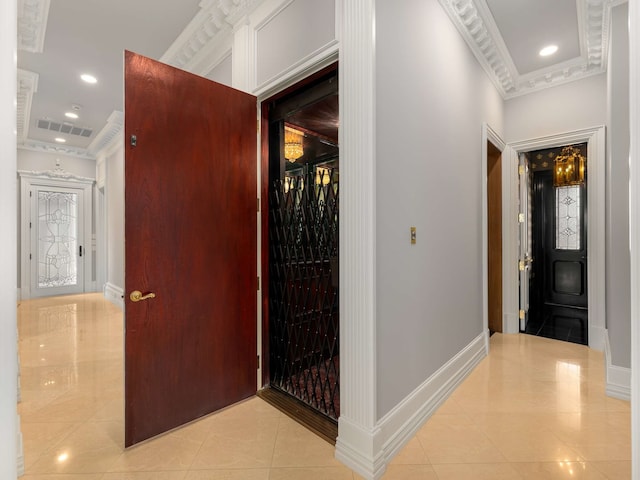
point(190, 240)
point(558, 288)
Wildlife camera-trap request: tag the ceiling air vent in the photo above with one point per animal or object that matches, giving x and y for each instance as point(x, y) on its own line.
point(64, 128)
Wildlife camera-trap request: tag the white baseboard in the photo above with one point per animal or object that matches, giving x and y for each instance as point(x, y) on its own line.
point(114, 294)
point(618, 379)
point(396, 428)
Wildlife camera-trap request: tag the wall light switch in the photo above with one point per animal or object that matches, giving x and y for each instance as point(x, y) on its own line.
point(413, 235)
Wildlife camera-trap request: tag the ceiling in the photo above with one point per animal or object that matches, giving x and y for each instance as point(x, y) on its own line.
point(59, 40)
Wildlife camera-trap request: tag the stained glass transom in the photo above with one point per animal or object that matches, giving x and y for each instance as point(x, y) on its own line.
point(568, 218)
point(57, 239)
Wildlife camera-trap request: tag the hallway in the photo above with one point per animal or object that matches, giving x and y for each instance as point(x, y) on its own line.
point(534, 409)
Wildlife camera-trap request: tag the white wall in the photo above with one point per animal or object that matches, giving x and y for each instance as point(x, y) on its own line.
point(8, 208)
point(221, 73)
point(40, 161)
point(572, 106)
point(114, 198)
point(432, 98)
point(293, 33)
point(617, 236)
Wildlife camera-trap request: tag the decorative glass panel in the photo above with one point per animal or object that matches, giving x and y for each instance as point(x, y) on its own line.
point(568, 218)
point(57, 239)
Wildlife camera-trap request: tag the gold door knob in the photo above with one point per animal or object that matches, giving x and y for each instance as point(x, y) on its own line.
point(136, 296)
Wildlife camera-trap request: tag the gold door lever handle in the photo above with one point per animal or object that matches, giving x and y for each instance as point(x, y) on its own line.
point(136, 296)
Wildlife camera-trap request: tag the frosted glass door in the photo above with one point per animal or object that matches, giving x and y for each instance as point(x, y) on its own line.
point(58, 229)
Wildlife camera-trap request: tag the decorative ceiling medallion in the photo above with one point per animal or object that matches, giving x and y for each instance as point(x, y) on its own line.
point(474, 21)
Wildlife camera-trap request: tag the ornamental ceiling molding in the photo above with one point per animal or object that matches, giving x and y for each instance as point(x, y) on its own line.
point(27, 86)
point(45, 147)
point(32, 24)
point(212, 25)
point(474, 21)
point(108, 136)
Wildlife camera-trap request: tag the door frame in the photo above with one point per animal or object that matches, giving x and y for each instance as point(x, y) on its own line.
point(55, 179)
point(595, 139)
point(489, 135)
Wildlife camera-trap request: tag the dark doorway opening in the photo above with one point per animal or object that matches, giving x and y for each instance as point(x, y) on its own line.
point(300, 252)
point(558, 279)
point(494, 237)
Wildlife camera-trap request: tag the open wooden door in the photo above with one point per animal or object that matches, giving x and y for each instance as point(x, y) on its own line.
point(190, 240)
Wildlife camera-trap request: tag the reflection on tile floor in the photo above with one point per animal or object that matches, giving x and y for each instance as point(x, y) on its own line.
point(534, 409)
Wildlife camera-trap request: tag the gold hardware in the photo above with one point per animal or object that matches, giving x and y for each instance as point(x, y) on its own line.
point(521, 169)
point(413, 235)
point(521, 265)
point(136, 296)
point(521, 217)
point(521, 313)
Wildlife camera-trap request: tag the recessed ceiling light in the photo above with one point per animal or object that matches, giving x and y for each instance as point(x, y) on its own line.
point(88, 78)
point(60, 140)
point(548, 50)
point(71, 115)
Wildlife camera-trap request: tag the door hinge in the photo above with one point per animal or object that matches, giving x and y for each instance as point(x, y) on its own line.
point(258, 204)
point(30, 225)
point(521, 265)
point(521, 314)
point(29, 256)
point(521, 218)
point(30, 193)
point(520, 169)
point(258, 363)
point(134, 140)
point(257, 283)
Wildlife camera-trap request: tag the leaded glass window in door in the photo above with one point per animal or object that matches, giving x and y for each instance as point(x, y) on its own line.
point(568, 218)
point(57, 239)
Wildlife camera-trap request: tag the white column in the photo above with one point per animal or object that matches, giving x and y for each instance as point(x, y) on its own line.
point(243, 58)
point(9, 429)
point(357, 427)
point(634, 228)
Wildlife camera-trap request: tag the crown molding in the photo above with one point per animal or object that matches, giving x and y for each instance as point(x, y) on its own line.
point(27, 86)
point(45, 147)
point(212, 26)
point(475, 23)
point(56, 174)
point(109, 134)
point(32, 24)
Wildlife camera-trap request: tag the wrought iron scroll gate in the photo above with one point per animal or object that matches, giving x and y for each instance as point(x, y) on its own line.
point(303, 283)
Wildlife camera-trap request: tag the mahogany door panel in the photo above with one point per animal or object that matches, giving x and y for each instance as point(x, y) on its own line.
point(190, 239)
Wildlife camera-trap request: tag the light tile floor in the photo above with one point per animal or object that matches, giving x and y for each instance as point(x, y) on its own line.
point(533, 409)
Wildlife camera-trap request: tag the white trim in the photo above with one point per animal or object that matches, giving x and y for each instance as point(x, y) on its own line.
point(114, 294)
point(322, 57)
point(634, 227)
point(399, 425)
point(20, 464)
point(618, 379)
point(357, 427)
point(595, 138)
point(488, 136)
